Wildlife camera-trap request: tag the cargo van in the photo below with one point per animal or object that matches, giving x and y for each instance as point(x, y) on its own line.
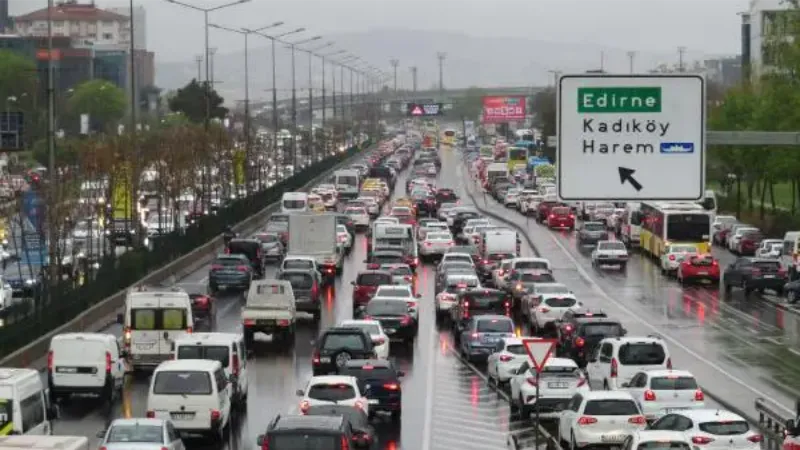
point(153, 319)
point(24, 407)
point(294, 202)
point(85, 363)
point(44, 443)
point(790, 254)
point(500, 241)
point(227, 348)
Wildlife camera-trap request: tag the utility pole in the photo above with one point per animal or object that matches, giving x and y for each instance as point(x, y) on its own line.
point(51, 150)
point(395, 63)
point(602, 61)
point(681, 52)
point(414, 80)
point(199, 60)
point(631, 56)
point(556, 74)
point(211, 52)
point(441, 56)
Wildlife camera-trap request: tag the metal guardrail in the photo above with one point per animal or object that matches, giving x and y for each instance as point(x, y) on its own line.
point(104, 313)
point(773, 418)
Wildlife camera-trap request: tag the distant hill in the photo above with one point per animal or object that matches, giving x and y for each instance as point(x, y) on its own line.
point(471, 61)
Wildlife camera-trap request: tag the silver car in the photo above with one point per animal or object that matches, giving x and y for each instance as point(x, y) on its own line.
point(141, 434)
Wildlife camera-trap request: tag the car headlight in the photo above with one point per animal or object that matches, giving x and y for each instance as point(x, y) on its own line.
point(30, 282)
point(5, 242)
point(80, 255)
point(101, 201)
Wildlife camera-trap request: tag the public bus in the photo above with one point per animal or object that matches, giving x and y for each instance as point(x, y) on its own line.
point(449, 137)
point(517, 157)
point(664, 223)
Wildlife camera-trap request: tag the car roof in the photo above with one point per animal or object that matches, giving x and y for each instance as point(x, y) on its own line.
point(710, 415)
point(298, 422)
point(137, 421)
point(175, 365)
point(208, 337)
point(607, 395)
point(669, 372)
point(331, 379)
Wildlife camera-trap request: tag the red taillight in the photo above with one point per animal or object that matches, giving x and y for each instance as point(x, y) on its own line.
point(532, 381)
point(150, 414)
point(699, 396)
point(506, 358)
point(406, 320)
point(242, 268)
point(315, 358)
point(568, 329)
point(189, 330)
point(475, 336)
point(304, 406)
point(756, 438)
point(672, 257)
point(552, 216)
point(216, 267)
point(50, 360)
point(314, 289)
point(544, 309)
point(669, 363)
point(572, 216)
point(345, 444)
point(580, 342)
point(249, 322)
point(216, 415)
point(283, 323)
point(265, 443)
point(638, 420)
point(701, 440)
point(391, 386)
point(587, 420)
point(235, 365)
point(613, 367)
point(108, 362)
point(649, 396)
point(581, 381)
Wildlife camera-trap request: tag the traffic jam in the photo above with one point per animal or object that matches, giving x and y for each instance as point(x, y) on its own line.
point(384, 308)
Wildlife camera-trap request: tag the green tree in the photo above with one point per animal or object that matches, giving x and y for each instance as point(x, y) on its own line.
point(544, 116)
point(191, 101)
point(18, 77)
point(102, 100)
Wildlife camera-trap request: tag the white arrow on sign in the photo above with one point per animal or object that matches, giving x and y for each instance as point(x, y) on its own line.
point(539, 350)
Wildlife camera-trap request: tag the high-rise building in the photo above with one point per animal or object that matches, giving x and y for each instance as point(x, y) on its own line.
point(5, 20)
point(764, 20)
point(139, 24)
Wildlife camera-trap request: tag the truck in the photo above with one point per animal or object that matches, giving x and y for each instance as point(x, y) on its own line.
point(314, 235)
point(495, 171)
point(269, 309)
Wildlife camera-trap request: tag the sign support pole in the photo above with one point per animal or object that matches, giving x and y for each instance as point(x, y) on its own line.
point(537, 417)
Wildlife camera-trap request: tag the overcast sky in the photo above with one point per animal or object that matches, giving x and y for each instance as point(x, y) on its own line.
point(703, 26)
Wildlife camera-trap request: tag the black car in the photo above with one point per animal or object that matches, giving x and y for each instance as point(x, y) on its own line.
point(251, 248)
point(587, 333)
point(380, 380)
point(384, 173)
point(307, 287)
point(230, 272)
point(461, 218)
point(293, 432)
point(364, 435)
point(338, 345)
point(272, 246)
point(395, 317)
point(752, 274)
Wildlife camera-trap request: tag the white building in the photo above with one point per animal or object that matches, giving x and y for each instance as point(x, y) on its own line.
point(764, 18)
point(139, 24)
point(78, 21)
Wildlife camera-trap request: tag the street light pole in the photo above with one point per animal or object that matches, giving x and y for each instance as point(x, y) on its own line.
point(293, 46)
point(324, 106)
point(311, 99)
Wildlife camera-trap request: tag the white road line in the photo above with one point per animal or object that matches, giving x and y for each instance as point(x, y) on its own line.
point(430, 380)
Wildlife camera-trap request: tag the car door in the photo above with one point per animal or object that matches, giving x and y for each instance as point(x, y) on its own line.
point(568, 416)
point(520, 376)
point(598, 368)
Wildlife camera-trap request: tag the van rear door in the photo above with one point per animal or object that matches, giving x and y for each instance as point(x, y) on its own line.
point(175, 322)
point(78, 362)
point(145, 318)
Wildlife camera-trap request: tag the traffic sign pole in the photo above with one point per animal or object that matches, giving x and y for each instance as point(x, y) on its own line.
point(539, 351)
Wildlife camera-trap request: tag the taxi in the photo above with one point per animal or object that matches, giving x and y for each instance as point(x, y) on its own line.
point(317, 207)
point(404, 201)
point(315, 201)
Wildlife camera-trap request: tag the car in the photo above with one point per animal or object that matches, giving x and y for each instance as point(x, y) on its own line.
point(451, 267)
point(435, 244)
point(380, 380)
point(615, 360)
point(749, 274)
point(338, 345)
point(652, 439)
point(529, 203)
point(737, 231)
point(660, 392)
point(546, 304)
point(445, 208)
point(770, 248)
point(521, 282)
point(271, 246)
point(590, 233)
point(251, 248)
point(549, 392)
point(610, 253)
point(359, 216)
point(399, 322)
point(449, 256)
point(399, 292)
point(480, 334)
point(401, 274)
point(380, 340)
point(561, 217)
point(144, 434)
point(509, 354)
point(404, 214)
point(344, 238)
point(230, 272)
point(673, 255)
point(446, 195)
point(428, 225)
point(697, 268)
point(380, 256)
point(578, 337)
point(307, 288)
point(511, 199)
point(599, 418)
point(471, 250)
point(748, 243)
point(333, 390)
point(363, 434)
point(711, 428)
point(373, 208)
point(454, 285)
point(85, 363)
point(291, 432)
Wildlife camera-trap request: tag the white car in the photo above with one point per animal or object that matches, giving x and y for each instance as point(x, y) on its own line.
point(431, 226)
point(719, 224)
point(560, 380)
point(507, 358)
point(457, 256)
point(500, 274)
point(395, 292)
point(613, 220)
point(673, 256)
point(546, 303)
point(614, 361)
point(711, 429)
point(610, 253)
point(444, 210)
point(661, 391)
point(447, 298)
point(472, 234)
point(653, 439)
point(141, 434)
point(435, 244)
point(601, 211)
point(512, 198)
point(333, 390)
point(343, 237)
point(373, 208)
point(770, 248)
point(359, 216)
point(531, 203)
point(600, 418)
point(379, 338)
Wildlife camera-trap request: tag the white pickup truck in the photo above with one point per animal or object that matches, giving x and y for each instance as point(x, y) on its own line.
point(314, 235)
point(269, 309)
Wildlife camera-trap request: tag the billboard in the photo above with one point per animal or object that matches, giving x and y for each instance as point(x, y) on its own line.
point(503, 109)
point(424, 109)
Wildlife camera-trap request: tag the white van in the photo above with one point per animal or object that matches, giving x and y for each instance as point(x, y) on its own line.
point(630, 225)
point(44, 442)
point(24, 407)
point(85, 363)
point(500, 241)
point(790, 254)
point(294, 202)
point(347, 183)
point(154, 318)
point(194, 394)
point(227, 348)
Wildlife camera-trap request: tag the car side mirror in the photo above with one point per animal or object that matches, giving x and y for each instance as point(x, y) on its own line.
point(121, 319)
point(352, 283)
point(300, 393)
point(260, 440)
point(625, 385)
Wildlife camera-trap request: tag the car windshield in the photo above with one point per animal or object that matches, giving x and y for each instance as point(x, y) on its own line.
point(136, 433)
point(182, 383)
point(331, 392)
point(611, 407)
point(378, 307)
point(373, 279)
point(552, 289)
point(392, 292)
point(560, 302)
point(592, 226)
point(495, 326)
point(611, 246)
point(640, 354)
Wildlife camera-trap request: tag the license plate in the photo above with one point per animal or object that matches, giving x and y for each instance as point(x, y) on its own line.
point(390, 331)
point(325, 359)
point(612, 438)
point(66, 370)
point(373, 402)
point(702, 273)
point(558, 385)
point(769, 276)
point(670, 410)
point(266, 322)
point(182, 416)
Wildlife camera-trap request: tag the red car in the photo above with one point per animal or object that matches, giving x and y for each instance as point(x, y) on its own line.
point(543, 210)
point(366, 284)
point(749, 243)
point(699, 267)
point(561, 217)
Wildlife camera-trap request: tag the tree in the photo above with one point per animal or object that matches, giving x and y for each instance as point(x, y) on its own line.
point(191, 101)
point(544, 116)
point(102, 100)
point(18, 77)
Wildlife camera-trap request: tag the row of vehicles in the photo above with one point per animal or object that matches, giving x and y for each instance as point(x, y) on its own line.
point(602, 386)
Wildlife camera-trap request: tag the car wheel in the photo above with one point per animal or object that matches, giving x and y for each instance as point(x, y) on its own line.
point(572, 444)
point(605, 385)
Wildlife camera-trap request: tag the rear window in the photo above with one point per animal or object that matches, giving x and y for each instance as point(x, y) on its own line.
point(594, 227)
point(673, 384)
point(343, 341)
point(536, 278)
point(663, 445)
point(769, 266)
point(531, 265)
point(726, 428)
point(297, 264)
point(499, 256)
point(229, 262)
point(560, 211)
point(294, 204)
point(373, 279)
point(561, 371)
point(331, 392)
point(487, 300)
point(138, 433)
point(393, 293)
point(212, 352)
point(158, 319)
point(495, 326)
point(182, 383)
point(516, 349)
point(387, 308)
point(643, 354)
point(560, 302)
point(243, 248)
point(298, 280)
point(611, 408)
point(401, 270)
point(602, 329)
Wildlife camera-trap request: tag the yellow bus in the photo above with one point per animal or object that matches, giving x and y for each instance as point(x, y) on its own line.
point(665, 223)
point(449, 137)
point(517, 157)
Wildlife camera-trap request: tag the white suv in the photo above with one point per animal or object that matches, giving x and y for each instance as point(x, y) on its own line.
point(547, 303)
point(600, 418)
point(614, 361)
point(560, 380)
point(333, 390)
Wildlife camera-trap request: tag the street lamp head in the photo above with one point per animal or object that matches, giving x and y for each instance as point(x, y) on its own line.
point(276, 24)
point(315, 38)
point(299, 30)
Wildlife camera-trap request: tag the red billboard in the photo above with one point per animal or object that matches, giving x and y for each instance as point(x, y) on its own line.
point(503, 108)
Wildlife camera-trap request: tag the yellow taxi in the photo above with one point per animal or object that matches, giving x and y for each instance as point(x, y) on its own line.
point(317, 208)
point(405, 202)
